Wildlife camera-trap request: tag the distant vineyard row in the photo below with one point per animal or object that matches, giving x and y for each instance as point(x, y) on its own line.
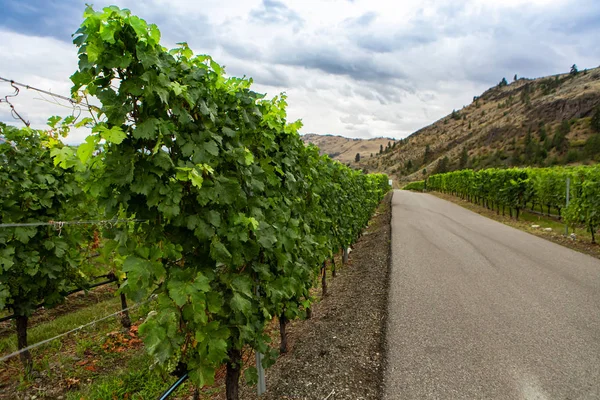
point(515, 188)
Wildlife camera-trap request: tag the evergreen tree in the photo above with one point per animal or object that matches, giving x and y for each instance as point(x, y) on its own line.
point(464, 158)
point(442, 166)
point(427, 155)
point(564, 127)
point(380, 148)
point(516, 157)
point(357, 157)
point(543, 133)
point(595, 122)
point(574, 71)
point(503, 83)
point(528, 138)
point(592, 147)
point(559, 140)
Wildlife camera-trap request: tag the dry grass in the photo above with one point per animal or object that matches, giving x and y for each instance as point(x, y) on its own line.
point(500, 115)
point(347, 148)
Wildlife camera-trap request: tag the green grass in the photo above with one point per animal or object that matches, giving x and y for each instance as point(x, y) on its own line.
point(557, 226)
point(69, 321)
point(132, 380)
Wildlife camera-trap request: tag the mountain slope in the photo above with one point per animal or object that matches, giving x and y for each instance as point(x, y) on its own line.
point(345, 149)
point(544, 121)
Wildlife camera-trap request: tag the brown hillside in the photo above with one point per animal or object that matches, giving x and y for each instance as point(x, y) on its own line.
point(544, 121)
point(345, 149)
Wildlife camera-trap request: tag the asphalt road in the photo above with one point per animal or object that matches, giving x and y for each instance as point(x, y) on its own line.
point(480, 310)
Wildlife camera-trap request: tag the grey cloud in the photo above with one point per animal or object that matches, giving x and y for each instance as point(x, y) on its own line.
point(353, 119)
point(275, 12)
point(399, 41)
point(245, 51)
point(427, 62)
point(261, 74)
point(331, 60)
point(52, 18)
point(196, 30)
point(362, 21)
point(271, 77)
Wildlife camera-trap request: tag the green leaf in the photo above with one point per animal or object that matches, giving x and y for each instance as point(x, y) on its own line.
point(107, 33)
point(216, 67)
point(251, 375)
point(217, 350)
point(63, 157)
point(139, 26)
point(212, 148)
point(93, 51)
point(219, 252)
point(248, 157)
point(267, 240)
point(4, 294)
point(196, 178)
point(6, 258)
point(113, 135)
point(155, 340)
point(177, 88)
point(214, 218)
point(52, 121)
point(201, 283)
point(240, 304)
point(85, 150)
point(214, 302)
point(228, 132)
point(146, 129)
point(154, 34)
point(23, 234)
point(178, 291)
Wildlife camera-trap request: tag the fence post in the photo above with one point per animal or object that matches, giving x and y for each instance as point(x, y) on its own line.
point(261, 386)
point(567, 205)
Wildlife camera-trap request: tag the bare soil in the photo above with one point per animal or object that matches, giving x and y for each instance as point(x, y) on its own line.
point(338, 353)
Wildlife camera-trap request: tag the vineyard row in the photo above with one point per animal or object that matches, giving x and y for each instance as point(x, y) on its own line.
point(516, 187)
point(241, 215)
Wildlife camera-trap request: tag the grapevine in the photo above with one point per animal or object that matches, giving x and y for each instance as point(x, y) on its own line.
point(240, 213)
point(516, 187)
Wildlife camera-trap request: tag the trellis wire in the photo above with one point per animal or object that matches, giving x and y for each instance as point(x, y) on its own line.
point(61, 223)
point(38, 344)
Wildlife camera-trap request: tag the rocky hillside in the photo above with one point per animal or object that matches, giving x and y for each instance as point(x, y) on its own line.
point(541, 122)
point(345, 149)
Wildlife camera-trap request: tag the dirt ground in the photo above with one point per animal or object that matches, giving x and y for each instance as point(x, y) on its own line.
point(338, 353)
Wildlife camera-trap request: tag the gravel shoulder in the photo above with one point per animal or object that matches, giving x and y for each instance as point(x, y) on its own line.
point(338, 353)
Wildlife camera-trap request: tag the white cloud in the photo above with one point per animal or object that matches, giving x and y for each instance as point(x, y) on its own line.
point(362, 68)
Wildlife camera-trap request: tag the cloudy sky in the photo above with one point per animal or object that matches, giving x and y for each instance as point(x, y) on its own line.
point(357, 68)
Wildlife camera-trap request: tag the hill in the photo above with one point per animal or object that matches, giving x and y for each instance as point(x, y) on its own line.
point(345, 149)
point(542, 122)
